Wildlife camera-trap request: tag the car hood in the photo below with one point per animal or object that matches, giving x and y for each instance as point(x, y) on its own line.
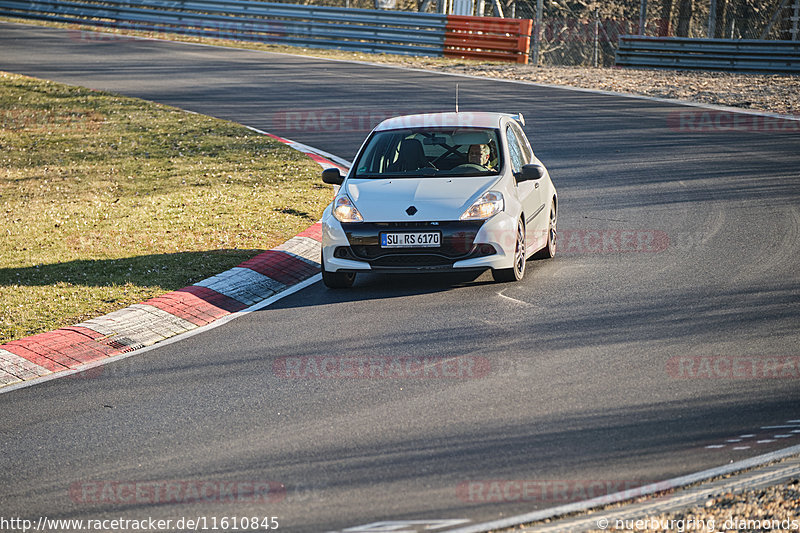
point(386, 200)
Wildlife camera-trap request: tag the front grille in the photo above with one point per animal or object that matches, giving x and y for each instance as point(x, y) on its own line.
point(379, 257)
point(458, 238)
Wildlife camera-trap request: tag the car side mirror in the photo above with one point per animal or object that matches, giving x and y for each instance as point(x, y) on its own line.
point(530, 172)
point(332, 176)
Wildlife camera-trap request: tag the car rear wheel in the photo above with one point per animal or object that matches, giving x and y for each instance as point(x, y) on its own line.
point(337, 280)
point(549, 250)
point(516, 272)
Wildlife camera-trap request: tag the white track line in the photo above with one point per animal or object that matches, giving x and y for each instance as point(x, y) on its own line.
point(683, 499)
point(177, 338)
point(690, 479)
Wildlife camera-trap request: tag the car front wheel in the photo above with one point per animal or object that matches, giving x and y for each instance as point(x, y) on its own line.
point(516, 272)
point(337, 280)
point(549, 250)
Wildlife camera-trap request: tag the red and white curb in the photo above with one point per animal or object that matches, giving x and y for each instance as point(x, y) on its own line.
point(157, 319)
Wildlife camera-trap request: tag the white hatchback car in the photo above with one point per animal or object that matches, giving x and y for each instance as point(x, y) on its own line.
point(440, 192)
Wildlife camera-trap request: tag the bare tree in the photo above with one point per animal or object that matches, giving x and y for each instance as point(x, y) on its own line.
point(719, 21)
point(685, 10)
point(664, 29)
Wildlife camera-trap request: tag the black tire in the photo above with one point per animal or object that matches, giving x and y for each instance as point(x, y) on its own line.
point(516, 272)
point(549, 250)
point(337, 280)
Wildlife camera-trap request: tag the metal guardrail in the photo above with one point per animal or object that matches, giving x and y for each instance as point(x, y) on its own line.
point(363, 30)
point(711, 54)
point(310, 26)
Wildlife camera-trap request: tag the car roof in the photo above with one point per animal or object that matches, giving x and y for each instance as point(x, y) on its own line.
point(463, 119)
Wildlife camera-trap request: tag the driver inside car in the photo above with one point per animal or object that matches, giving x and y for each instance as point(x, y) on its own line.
point(479, 154)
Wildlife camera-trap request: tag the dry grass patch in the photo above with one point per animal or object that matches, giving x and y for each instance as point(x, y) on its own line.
point(108, 200)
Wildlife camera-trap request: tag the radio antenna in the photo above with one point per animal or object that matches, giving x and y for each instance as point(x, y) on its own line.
point(456, 97)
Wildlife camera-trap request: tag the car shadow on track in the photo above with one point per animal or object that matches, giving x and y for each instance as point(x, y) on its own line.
point(370, 286)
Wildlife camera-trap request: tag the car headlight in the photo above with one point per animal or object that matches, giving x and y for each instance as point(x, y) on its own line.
point(488, 205)
point(345, 211)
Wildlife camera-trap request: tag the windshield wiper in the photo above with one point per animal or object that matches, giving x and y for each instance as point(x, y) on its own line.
point(421, 173)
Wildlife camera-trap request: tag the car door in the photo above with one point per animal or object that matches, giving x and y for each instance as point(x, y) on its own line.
point(529, 193)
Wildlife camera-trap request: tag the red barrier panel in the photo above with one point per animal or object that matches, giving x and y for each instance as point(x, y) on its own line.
point(488, 38)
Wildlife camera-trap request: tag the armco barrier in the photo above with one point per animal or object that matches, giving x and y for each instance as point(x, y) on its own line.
point(310, 26)
point(711, 54)
point(363, 30)
point(488, 38)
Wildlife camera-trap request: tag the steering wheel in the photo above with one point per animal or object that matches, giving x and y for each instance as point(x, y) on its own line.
point(470, 166)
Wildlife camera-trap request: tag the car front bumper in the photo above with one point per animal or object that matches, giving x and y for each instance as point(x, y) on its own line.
point(465, 245)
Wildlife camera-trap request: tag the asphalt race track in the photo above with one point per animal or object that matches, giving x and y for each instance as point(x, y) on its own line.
point(619, 362)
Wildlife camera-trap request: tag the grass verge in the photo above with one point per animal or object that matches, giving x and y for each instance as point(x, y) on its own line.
point(108, 200)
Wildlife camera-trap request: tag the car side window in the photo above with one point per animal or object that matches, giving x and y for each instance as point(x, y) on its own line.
point(514, 150)
point(527, 152)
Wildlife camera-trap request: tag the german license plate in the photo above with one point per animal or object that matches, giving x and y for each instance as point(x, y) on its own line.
point(427, 239)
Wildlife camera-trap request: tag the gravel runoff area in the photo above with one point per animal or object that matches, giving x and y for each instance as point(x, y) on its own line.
point(758, 92)
point(775, 508)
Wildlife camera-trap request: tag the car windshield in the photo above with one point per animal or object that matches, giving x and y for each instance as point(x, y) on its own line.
point(430, 152)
